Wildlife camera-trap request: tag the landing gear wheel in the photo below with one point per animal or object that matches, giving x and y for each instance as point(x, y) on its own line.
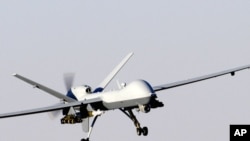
point(145, 131)
point(138, 131)
point(85, 139)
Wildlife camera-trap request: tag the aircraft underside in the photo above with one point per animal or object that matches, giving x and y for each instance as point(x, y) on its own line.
point(83, 115)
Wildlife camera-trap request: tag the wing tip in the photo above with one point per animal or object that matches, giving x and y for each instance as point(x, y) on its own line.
point(131, 53)
point(14, 74)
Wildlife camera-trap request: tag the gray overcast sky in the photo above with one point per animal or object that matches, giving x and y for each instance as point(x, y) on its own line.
point(172, 40)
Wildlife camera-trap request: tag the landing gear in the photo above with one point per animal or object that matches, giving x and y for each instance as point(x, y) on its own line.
point(145, 131)
point(91, 127)
point(140, 131)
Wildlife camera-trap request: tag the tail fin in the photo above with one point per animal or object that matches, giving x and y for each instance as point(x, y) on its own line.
point(44, 88)
point(112, 74)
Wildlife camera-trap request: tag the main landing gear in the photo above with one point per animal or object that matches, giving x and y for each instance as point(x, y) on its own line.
point(140, 131)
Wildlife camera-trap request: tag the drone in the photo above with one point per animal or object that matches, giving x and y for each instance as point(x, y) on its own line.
point(83, 102)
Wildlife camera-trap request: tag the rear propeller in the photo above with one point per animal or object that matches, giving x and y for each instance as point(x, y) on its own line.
point(54, 114)
point(68, 81)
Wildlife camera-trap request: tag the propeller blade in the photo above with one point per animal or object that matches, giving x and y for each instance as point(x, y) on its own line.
point(68, 80)
point(54, 114)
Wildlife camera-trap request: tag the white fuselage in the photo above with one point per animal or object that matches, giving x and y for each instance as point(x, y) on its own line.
point(135, 93)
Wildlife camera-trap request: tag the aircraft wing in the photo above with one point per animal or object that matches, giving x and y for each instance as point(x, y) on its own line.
point(201, 78)
point(44, 88)
point(50, 108)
